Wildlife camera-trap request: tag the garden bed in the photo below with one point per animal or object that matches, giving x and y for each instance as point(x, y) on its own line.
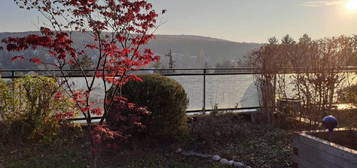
point(342, 137)
point(229, 136)
point(324, 149)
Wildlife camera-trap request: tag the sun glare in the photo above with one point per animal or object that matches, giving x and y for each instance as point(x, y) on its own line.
point(351, 5)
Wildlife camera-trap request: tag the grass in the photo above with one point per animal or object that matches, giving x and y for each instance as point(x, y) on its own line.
point(229, 136)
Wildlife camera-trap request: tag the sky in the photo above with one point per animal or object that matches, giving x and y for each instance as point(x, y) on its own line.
point(234, 20)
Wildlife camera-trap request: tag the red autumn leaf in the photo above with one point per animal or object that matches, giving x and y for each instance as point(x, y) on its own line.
point(13, 59)
point(71, 62)
point(58, 95)
point(35, 60)
point(14, 47)
point(148, 6)
point(76, 95)
point(84, 109)
point(46, 31)
point(135, 78)
point(97, 111)
point(121, 38)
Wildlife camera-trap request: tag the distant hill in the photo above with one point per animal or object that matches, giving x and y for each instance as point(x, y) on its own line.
point(188, 51)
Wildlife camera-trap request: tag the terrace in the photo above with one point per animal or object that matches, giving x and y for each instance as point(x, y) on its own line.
point(93, 87)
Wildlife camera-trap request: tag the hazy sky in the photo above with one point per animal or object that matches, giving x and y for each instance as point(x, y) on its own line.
point(235, 20)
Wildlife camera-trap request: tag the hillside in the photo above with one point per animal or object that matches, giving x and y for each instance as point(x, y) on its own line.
point(188, 51)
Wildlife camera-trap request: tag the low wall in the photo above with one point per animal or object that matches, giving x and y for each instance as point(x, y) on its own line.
point(313, 152)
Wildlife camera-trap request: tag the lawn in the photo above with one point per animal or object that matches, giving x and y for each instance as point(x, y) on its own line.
point(229, 136)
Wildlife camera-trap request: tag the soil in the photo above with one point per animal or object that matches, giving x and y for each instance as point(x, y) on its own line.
point(346, 138)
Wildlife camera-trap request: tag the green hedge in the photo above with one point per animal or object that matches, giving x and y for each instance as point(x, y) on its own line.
point(166, 99)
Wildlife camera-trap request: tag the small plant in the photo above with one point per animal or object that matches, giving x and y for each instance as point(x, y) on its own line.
point(215, 110)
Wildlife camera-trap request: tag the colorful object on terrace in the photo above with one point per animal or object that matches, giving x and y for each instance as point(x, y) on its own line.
point(330, 122)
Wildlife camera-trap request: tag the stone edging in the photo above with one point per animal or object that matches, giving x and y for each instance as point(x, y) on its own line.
point(213, 157)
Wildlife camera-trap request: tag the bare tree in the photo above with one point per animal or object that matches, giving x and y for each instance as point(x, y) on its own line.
point(265, 61)
point(314, 68)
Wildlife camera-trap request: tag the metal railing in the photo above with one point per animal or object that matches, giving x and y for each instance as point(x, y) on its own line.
point(204, 72)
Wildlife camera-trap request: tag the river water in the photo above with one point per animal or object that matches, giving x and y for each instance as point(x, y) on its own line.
point(227, 91)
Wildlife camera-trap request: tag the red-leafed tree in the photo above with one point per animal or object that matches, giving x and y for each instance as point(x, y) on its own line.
point(119, 29)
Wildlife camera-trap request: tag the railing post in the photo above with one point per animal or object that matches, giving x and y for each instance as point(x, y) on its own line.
point(13, 89)
point(204, 91)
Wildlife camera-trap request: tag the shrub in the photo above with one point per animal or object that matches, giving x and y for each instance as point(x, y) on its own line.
point(220, 128)
point(165, 99)
point(32, 107)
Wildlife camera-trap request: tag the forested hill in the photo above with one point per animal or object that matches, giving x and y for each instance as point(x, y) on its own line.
point(188, 51)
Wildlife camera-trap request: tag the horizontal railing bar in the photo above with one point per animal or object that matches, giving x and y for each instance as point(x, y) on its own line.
point(168, 74)
point(13, 75)
point(164, 74)
point(144, 69)
point(174, 74)
point(187, 112)
point(224, 109)
point(179, 69)
point(208, 74)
